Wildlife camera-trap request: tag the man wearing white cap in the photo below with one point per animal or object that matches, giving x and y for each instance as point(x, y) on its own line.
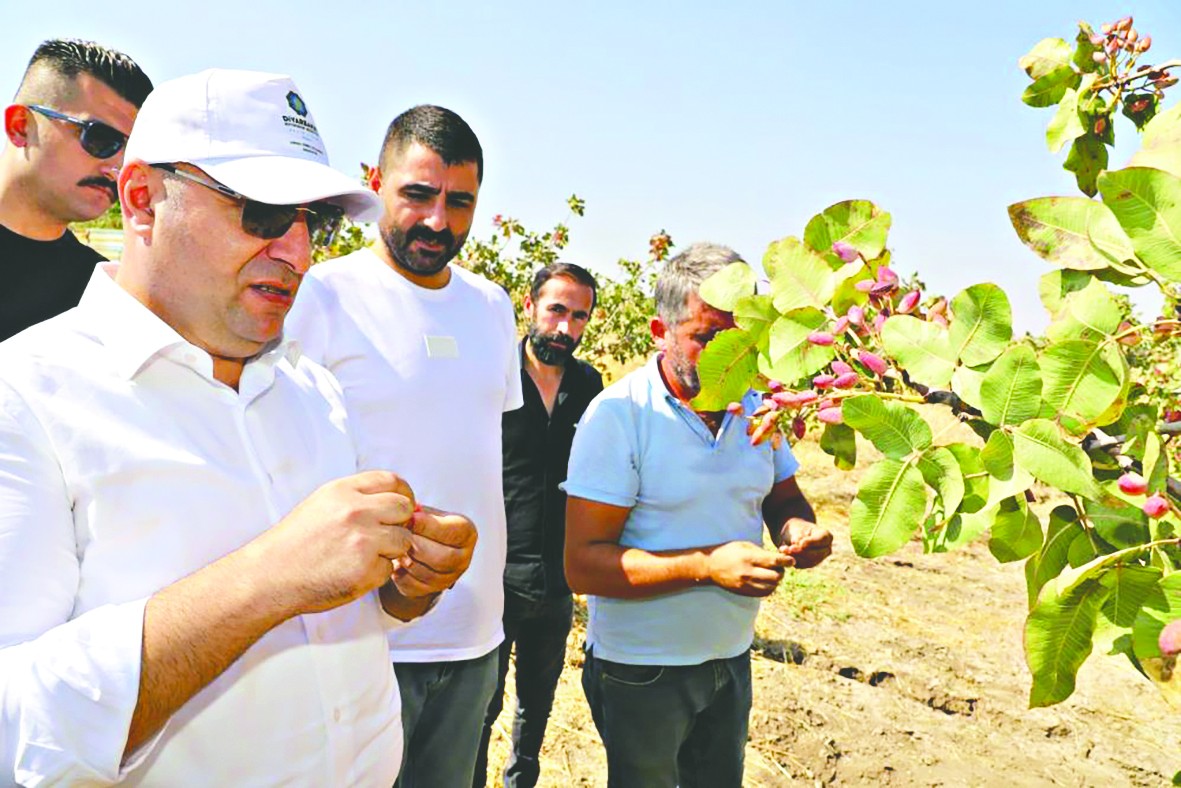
point(195, 582)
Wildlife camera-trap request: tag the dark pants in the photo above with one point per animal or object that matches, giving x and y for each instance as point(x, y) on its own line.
point(442, 707)
point(665, 726)
point(539, 630)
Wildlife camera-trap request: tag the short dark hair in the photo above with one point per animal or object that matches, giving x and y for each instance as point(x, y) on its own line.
point(69, 57)
point(439, 129)
point(568, 270)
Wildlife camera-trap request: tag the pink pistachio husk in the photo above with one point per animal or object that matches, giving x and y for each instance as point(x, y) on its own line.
point(938, 320)
point(865, 285)
point(775, 385)
point(823, 381)
point(842, 250)
point(1133, 484)
point(939, 307)
point(872, 362)
point(1155, 506)
point(856, 315)
point(879, 321)
point(840, 368)
point(821, 338)
point(735, 408)
point(841, 326)
point(830, 416)
point(1170, 638)
point(847, 381)
point(799, 428)
point(909, 302)
point(826, 403)
point(764, 427)
point(886, 275)
point(882, 289)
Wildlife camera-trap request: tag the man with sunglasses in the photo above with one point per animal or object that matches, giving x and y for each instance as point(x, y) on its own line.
point(426, 353)
point(196, 583)
point(66, 129)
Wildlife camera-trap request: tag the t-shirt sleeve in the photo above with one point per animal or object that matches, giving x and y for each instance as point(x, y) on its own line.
point(513, 396)
point(786, 463)
point(68, 686)
point(603, 458)
point(309, 320)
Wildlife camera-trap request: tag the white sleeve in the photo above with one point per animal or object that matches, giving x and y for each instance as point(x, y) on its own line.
point(513, 396)
point(68, 686)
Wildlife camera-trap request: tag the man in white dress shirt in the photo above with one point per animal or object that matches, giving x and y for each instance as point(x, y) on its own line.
point(195, 582)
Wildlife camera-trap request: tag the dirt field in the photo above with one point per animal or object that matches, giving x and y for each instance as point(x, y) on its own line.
point(903, 670)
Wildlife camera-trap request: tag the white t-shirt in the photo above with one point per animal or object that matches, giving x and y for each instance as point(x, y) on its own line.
point(426, 375)
point(125, 466)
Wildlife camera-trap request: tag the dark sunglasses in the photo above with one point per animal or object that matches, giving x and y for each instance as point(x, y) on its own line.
point(268, 221)
point(98, 139)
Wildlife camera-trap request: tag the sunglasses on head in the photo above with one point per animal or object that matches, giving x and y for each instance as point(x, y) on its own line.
point(268, 221)
point(98, 139)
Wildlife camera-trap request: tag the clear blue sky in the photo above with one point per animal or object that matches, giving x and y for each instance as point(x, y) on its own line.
point(731, 122)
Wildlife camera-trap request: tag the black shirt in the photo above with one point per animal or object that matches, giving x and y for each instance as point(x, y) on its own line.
point(536, 453)
point(40, 279)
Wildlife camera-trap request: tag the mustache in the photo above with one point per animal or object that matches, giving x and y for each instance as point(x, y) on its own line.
point(420, 233)
point(105, 183)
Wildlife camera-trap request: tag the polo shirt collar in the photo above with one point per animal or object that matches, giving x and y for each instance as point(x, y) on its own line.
point(134, 335)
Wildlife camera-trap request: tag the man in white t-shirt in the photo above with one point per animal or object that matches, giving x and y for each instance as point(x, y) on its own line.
point(426, 354)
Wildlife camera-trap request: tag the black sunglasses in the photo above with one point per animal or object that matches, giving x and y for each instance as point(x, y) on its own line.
point(268, 221)
point(98, 139)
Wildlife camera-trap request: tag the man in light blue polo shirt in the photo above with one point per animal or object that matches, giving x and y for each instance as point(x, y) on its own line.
point(665, 512)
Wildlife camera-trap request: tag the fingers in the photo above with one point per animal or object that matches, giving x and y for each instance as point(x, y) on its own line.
point(370, 482)
point(392, 542)
point(439, 557)
point(453, 530)
point(390, 508)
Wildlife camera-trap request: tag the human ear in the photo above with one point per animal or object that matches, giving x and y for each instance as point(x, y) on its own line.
point(16, 125)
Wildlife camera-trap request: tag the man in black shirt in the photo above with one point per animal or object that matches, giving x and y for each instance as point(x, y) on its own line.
point(537, 603)
point(66, 129)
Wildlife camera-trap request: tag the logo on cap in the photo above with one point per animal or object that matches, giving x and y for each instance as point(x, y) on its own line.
point(296, 104)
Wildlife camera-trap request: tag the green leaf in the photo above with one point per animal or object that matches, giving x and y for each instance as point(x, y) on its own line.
point(1048, 55)
point(1078, 381)
point(1040, 449)
point(1006, 477)
point(941, 471)
point(790, 357)
point(799, 276)
point(1087, 158)
point(1058, 636)
point(1071, 232)
point(1091, 313)
point(923, 349)
point(858, 223)
point(727, 367)
point(974, 475)
point(1155, 464)
point(1160, 146)
point(896, 430)
point(967, 527)
point(1130, 586)
point(755, 313)
point(1049, 88)
point(1011, 391)
point(888, 509)
point(1065, 126)
point(981, 324)
point(966, 381)
point(1119, 525)
point(1054, 286)
point(1140, 108)
point(1081, 550)
point(1061, 531)
point(840, 442)
point(723, 289)
point(1147, 203)
point(1159, 609)
point(1016, 532)
point(1084, 49)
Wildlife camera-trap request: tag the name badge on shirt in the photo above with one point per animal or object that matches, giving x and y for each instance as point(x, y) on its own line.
point(441, 347)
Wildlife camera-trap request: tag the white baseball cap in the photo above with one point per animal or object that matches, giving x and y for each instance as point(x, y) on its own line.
point(250, 131)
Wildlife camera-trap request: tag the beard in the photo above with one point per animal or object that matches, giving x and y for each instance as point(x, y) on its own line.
point(398, 243)
point(684, 372)
point(553, 350)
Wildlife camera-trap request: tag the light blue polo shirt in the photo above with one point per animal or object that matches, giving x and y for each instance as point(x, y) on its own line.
point(638, 446)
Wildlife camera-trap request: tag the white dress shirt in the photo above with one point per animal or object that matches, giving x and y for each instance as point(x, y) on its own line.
point(125, 466)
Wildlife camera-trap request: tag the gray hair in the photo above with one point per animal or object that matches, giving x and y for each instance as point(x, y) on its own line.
point(683, 275)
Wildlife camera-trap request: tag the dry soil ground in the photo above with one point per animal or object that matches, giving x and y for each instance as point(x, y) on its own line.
point(903, 670)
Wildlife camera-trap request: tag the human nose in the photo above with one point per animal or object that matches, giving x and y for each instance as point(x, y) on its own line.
point(436, 218)
point(294, 247)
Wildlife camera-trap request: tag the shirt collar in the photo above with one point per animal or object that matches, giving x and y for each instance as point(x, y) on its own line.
point(134, 335)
